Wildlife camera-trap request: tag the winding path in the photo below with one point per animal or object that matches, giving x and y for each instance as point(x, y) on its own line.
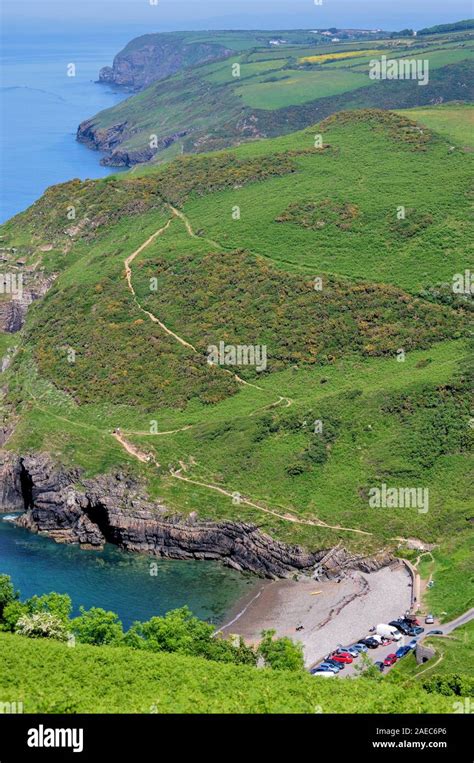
point(147, 458)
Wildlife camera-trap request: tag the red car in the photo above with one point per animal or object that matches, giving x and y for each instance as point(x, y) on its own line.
point(390, 660)
point(343, 657)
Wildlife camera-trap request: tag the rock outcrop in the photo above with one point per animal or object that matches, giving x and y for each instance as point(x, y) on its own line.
point(155, 57)
point(113, 508)
point(13, 307)
point(110, 139)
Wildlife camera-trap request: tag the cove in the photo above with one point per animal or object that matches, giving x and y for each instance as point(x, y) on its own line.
point(120, 581)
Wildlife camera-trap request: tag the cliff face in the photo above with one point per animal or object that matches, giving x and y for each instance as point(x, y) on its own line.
point(138, 66)
point(13, 307)
point(112, 508)
point(110, 139)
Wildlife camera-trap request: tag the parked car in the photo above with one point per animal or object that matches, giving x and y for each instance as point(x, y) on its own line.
point(417, 630)
point(380, 666)
point(323, 667)
point(400, 626)
point(370, 642)
point(390, 660)
point(360, 647)
point(387, 641)
point(335, 665)
point(323, 673)
point(429, 619)
point(388, 631)
point(412, 644)
point(348, 650)
point(402, 651)
point(410, 619)
point(345, 658)
point(329, 665)
point(435, 633)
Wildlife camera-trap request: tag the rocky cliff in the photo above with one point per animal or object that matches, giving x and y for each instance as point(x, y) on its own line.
point(110, 139)
point(29, 286)
point(154, 57)
point(114, 509)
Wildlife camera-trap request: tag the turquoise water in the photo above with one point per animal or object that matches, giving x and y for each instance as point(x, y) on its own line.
point(119, 581)
point(41, 108)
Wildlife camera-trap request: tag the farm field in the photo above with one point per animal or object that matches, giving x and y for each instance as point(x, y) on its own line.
point(266, 90)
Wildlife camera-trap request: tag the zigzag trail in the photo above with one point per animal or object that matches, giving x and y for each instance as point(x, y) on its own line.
point(147, 458)
point(128, 272)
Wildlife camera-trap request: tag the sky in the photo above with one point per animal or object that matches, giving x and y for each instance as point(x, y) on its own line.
point(168, 15)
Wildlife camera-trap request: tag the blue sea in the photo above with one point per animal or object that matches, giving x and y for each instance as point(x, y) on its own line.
point(119, 581)
point(41, 108)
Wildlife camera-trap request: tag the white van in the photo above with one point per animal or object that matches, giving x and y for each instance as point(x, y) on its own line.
point(388, 631)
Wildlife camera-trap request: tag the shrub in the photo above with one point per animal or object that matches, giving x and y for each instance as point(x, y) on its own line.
point(281, 653)
point(12, 613)
point(57, 604)
point(96, 626)
point(7, 593)
point(41, 625)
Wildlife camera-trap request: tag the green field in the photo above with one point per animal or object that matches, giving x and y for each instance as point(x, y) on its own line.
point(212, 106)
point(298, 87)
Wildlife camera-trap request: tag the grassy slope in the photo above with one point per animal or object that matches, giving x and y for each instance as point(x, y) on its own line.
point(49, 677)
point(454, 121)
point(454, 655)
point(214, 107)
point(129, 374)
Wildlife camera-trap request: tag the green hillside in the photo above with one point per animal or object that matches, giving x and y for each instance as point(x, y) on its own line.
point(49, 677)
point(454, 121)
point(376, 351)
point(268, 90)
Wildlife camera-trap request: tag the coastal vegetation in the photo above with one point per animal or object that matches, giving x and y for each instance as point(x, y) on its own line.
point(355, 338)
point(177, 632)
point(50, 677)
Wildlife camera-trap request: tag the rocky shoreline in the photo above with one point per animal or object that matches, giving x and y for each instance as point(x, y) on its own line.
point(114, 508)
point(109, 140)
